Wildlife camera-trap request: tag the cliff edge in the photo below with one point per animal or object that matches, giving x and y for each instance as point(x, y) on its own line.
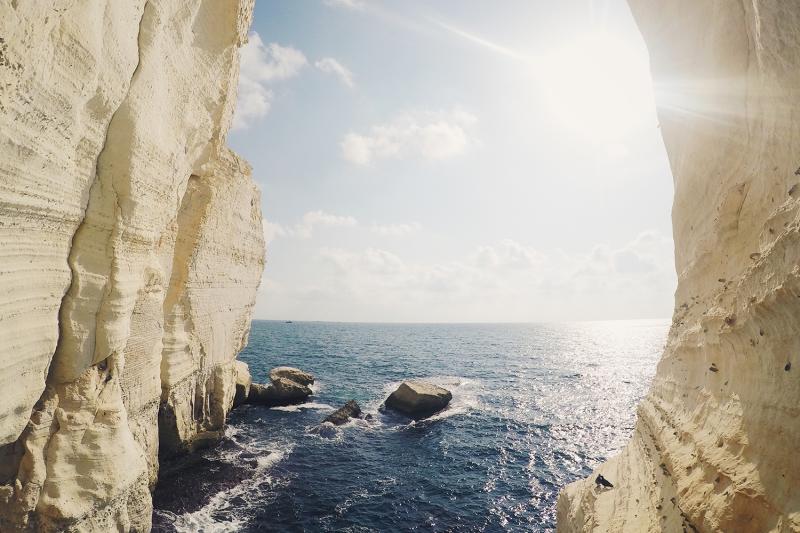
point(131, 247)
point(715, 443)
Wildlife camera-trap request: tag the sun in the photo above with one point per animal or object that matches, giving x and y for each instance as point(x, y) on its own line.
point(597, 85)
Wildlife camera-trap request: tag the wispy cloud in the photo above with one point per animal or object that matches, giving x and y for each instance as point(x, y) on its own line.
point(348, 4)
point(310, 221)
point(305, 228)
point(506, 280)
point(261, 66)
point(330, 65)
point(272, 231)
point(427, 134)
point(481, 41)
point(395, 230)
point(428, 24)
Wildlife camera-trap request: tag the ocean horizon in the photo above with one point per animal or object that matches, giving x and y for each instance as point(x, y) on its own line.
point(466, 323)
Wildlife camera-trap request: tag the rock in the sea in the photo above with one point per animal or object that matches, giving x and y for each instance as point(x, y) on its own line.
point(289, 390)
point(340, 416)
point(291, 373)
point(281, 391)
point(418, 399)
point(243, 382)
point(259, 394)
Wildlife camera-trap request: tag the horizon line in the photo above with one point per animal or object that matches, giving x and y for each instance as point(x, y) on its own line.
point(531, 322)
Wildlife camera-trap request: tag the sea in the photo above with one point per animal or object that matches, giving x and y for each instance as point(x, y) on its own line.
point(535, 406)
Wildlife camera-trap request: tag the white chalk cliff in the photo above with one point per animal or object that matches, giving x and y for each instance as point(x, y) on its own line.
point(715, 447)
point(131, 250)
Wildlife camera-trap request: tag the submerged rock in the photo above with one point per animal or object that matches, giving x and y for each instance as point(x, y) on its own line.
point(418, 399)
point(291, 373)
point(243, 382)
point(349, 410)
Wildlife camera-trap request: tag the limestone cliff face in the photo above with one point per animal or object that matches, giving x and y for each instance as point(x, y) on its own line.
point(130, 250)
point(715, 445)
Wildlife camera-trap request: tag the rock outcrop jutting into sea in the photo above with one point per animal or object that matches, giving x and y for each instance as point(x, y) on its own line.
point(132, 250)
point(715, 444)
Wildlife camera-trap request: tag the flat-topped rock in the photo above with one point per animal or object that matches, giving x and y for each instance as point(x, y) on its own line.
point(291, 373)
point(281, 391)
point(349, 410)
point(418, 399)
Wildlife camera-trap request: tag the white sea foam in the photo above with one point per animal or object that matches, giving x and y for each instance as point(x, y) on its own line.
point(207, 519)
point(301, 406)
point(466, 397)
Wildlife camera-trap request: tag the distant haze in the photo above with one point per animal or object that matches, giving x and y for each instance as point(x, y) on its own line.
point(456, 161)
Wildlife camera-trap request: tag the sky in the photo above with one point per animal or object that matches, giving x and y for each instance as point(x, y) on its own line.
point(455, 161)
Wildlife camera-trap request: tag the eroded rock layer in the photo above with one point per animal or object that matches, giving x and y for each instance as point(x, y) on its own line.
point(131, 248)
point(715, 444)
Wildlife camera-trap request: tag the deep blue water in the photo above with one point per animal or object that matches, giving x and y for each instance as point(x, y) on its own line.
point(534, 407)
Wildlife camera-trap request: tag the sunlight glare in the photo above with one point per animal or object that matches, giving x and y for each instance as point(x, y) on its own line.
point(597, 86)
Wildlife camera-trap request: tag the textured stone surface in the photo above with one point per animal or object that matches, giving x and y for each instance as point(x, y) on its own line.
point(418, 399)
point(280, 391)
point(243, 382)
point(131, 248)
point(340, 416)
point(291, 373)
point(715, 444)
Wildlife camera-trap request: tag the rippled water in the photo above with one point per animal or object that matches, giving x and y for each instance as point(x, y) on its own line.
point(534, 407)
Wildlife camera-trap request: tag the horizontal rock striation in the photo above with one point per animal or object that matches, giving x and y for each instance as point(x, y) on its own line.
point(715, 444)
point(131, 247)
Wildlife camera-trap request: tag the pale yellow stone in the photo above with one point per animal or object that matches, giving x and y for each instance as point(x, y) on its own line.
point(131, 249)
point(717, 451)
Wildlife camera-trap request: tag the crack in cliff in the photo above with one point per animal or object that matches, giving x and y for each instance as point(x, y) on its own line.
point(72, 259)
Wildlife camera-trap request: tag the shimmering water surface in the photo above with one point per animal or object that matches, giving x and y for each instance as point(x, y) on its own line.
point(534, 407)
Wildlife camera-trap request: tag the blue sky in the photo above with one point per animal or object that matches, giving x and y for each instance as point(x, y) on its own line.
point(455, 161)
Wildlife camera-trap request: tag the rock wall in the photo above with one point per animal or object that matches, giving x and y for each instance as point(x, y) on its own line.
point(715, 444)
point(131, 250)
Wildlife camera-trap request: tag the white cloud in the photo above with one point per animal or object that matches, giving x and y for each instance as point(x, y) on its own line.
point(348, 4)
point(507, 254)
point(427, 134)
point(272, 231)
point(395, 230)
point(506, 280)
point(305, 228)
point(261, 65)
point(329, 65)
